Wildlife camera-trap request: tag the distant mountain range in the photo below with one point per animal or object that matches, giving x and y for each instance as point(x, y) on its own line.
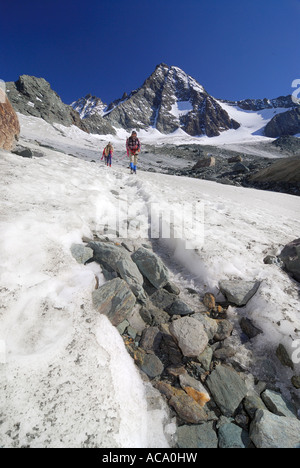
point(168, 100)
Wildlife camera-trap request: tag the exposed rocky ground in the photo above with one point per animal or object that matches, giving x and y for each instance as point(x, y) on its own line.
point(182, 343)
point(226, 166)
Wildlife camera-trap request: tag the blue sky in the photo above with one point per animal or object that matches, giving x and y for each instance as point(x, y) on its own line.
point(235, 49)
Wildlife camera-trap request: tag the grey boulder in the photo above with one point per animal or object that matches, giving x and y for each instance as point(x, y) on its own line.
point(190, 335)
point(239, 292)
point(269, 430)
point(290, 256)
point(119, 260)
point(115, 300)
point(227, 388)
point(151, 266)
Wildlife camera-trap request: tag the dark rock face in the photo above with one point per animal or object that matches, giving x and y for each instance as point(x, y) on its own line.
point(33, 96)
point(168, 100)
point(97, 124)
point(287, 123)
point(91, 110)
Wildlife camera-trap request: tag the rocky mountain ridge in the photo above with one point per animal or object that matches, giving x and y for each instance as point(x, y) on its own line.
point(168, 100)
point(260, 104)
point(33, 96)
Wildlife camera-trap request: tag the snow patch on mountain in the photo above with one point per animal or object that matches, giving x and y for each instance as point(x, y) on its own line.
point(88, 106)
point(180, 108)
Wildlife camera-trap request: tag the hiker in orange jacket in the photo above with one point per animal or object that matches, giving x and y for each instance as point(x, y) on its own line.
point(107, 154)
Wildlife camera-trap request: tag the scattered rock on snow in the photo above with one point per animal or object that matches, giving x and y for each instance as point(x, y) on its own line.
point(283, 356)
point(290, 256)
point(81, 253)
point(177, 350)
point(239, 292)
point(249, 328)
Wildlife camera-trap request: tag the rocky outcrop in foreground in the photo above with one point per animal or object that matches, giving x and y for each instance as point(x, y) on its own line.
point(9, 124)
point(181, 344)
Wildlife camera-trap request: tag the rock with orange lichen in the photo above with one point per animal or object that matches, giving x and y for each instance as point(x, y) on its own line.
point(199, 397)
point(194, 388)
point(186, 407)
point(209, 301)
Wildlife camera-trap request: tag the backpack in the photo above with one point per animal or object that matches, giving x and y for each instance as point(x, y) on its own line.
point(107, 150)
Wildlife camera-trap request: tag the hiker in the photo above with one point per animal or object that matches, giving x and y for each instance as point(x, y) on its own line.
point(107, 154)
point(133, 147)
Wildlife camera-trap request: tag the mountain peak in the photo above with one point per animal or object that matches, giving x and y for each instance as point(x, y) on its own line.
point(168, 100)
point(162, 65)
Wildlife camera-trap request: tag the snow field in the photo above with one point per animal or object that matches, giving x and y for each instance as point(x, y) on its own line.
point(66, 378)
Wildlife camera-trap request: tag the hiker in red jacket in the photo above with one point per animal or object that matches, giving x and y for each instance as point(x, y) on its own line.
point(133, 147)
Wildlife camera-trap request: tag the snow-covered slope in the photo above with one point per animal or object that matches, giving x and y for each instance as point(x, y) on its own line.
point(66, 379)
